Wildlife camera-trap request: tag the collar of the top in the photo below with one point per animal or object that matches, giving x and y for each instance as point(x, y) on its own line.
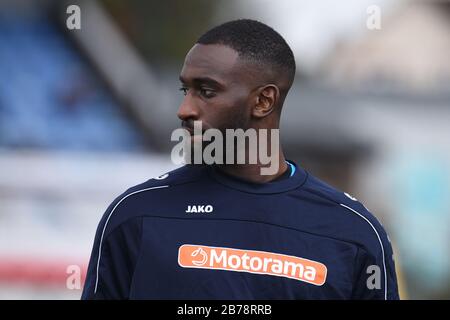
point(296, 180)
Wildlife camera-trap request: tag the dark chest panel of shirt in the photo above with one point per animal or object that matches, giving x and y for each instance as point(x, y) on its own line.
point(283, 224)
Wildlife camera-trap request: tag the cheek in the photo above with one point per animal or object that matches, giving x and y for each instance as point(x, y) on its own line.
point(240, 107)
point(241, 114)
point(232, 115)
point(228, 110)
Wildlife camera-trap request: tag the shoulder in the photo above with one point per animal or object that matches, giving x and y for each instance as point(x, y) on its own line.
point(351, 220)
point(150, 193)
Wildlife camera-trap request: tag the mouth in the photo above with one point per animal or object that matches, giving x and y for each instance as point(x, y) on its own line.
point(190, 130)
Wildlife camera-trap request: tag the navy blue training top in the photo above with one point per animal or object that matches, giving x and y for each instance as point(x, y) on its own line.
point(196, 233)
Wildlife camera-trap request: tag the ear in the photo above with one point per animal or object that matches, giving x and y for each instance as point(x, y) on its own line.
point(266, 100)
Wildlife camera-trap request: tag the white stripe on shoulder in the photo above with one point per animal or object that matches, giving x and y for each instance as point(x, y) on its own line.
point(106, 223)
point(381, 244)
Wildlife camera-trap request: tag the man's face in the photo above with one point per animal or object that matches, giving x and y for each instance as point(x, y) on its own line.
point(217, 89)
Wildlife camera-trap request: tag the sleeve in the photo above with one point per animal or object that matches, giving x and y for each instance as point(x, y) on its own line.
point(113, 260)
point(375, 277)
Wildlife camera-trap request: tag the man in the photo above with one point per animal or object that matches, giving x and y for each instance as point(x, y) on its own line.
point(227, 231)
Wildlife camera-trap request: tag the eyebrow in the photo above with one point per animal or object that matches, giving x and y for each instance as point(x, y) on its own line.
point(205, 80)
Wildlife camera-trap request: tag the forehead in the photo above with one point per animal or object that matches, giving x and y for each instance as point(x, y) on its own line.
point(212, 60)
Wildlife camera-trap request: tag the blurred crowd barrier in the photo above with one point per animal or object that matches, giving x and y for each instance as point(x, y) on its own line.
point(50, 206)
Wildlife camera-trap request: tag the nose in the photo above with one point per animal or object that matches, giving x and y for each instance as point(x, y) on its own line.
point(187, 109)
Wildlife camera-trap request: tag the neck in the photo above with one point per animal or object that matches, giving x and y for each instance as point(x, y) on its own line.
point(252, 172)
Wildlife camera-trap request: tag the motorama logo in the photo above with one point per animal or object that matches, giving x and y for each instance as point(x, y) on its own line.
point(251, 261)
point(203, 255)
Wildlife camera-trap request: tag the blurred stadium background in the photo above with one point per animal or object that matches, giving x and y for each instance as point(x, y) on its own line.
point(84, 114)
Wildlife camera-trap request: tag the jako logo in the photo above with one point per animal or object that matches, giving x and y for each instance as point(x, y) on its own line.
point(199, 209)
point(259, 262)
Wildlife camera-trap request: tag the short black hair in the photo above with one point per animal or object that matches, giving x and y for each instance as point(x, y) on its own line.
point(255, 41)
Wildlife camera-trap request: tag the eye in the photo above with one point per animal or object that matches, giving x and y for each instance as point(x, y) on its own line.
point(207, 93)
point(184, 90)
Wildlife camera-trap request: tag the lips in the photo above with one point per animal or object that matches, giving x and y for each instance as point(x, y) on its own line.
point(195, 128)
point(191, 130)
